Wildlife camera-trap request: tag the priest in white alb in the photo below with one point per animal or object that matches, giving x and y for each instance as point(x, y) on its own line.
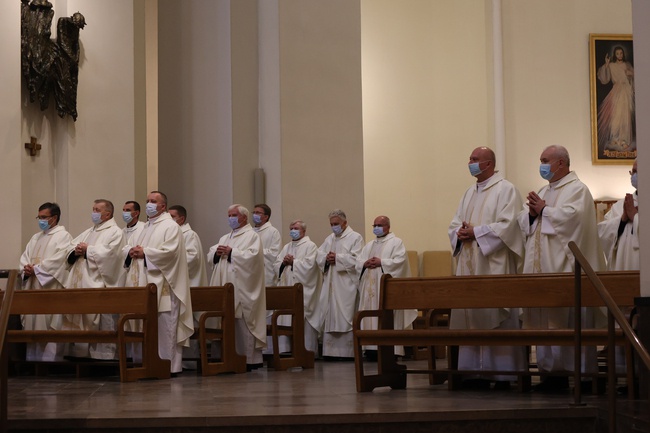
point(561, 212)
point(95, 260)
point(196, 268)
point(619, 236)
point(384, 255)
point(238, 258)
point(619, 232)
point(296, 263)
point(43, 267)
point(131, 216)
point(337, 257)
point(486, 240)
point(158, 256)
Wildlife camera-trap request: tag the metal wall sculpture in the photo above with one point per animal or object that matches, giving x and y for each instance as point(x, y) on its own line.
point(50, 66)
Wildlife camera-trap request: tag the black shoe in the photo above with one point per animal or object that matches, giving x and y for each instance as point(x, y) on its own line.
point(552, 384)
point(251, 367)
point(475, 384)
point(502, 385)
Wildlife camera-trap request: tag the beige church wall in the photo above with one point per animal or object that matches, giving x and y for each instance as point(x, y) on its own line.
point(425, 107)
point(195, 113)
point(94, 156)
point(320, 110)
point(11, 143)
point(546, 64)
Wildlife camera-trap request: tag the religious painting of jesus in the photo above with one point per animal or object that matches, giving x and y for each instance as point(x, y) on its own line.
point(611, 76)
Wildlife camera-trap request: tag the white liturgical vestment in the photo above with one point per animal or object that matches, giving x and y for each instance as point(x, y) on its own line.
point(491, 207)
point(394, 261)
point(46, 250)
point(569, 215)
point(304, 270)
point(102, 266)
point(165, 265)
point(195, 257)
point(271, 243)
point(339, 292)
point(621, 252)
point(245, 270)
point(133, 232)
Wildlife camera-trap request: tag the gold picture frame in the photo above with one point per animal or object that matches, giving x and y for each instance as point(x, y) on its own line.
point(611, 78)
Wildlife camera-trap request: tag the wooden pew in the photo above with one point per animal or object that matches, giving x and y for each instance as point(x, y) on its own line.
point(288, 300)
point(131, 303)
point(8, 294)
point(507, 291)
point(217, 302)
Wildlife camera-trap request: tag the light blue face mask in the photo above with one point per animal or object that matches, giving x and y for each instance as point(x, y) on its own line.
point(378, 231)
point(233, 222)
point(545, 171)
point(337, 229)
point(257, 218)
point(43, 224)
point(475, 169)
point(96, 217)
point(151, 210)
point(127, 217)
point(295, 234)
point(634, 180)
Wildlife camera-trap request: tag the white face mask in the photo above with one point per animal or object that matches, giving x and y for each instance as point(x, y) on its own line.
point(295, 234)
point(634, 180)
point(127, 217)
point(96, 217)
point(151, 210)
point(233, 222)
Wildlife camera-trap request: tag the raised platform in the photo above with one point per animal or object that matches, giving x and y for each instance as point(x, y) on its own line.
point(321, 400)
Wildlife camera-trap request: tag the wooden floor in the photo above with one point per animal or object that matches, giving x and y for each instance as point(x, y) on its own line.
point(323, 399)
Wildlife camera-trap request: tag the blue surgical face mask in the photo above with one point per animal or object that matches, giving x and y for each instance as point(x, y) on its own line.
point(233, 222)
point(337, 229)
point(378, 231)
point(44, 224)
point(127, 217)
point(545, 171)
point(295, 234)
point(257, 218)
point(96, 217)
point(151, 210)
point(634, 180)
point(474, 169)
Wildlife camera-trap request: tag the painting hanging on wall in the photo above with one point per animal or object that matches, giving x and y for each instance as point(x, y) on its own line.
point(611, 77)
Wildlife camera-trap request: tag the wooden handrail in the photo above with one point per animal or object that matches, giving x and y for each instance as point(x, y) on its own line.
point(613, 314)
point(12, 278)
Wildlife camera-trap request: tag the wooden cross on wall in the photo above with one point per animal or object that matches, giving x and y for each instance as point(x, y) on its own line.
point(33, 146)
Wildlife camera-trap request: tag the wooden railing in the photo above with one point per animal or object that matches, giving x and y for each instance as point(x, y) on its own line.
point(614, 314)
point(12, 279)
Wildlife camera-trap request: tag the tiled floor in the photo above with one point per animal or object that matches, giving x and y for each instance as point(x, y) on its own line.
point(327, 392)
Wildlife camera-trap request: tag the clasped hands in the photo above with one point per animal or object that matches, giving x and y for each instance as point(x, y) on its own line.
point(629, 210)
point(136, 252)
point(535, 204)
point(80, 249)
point(223, 250)
point(288, 260)
point(466, 232)
point(373, 262)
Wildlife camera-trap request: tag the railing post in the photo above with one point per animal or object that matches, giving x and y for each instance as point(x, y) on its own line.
point(611, 371)
point(577, 328)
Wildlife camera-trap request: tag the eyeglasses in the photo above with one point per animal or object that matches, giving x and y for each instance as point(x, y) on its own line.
point(43, 217)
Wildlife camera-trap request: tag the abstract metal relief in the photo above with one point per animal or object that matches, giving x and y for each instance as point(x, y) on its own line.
point(50, 67)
